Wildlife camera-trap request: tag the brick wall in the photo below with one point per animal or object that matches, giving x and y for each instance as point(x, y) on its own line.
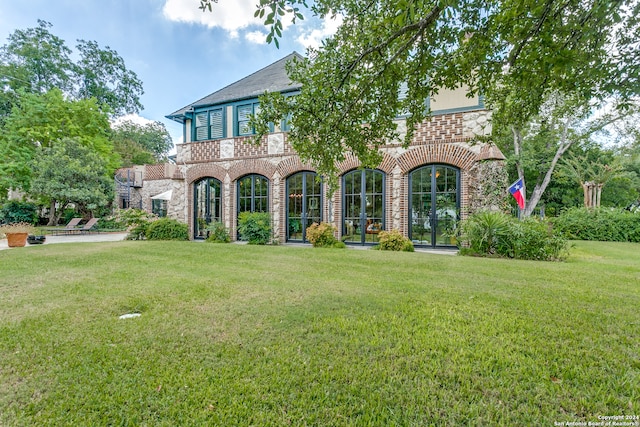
point(442, 140)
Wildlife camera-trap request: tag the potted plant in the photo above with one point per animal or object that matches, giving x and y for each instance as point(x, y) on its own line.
point(16, 233)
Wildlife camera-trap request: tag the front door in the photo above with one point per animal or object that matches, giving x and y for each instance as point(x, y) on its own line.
point(304, 204)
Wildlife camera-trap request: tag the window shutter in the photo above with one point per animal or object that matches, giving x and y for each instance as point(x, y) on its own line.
point(216, 123)
point(201, 126)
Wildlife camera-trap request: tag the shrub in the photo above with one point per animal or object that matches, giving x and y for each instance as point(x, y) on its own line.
point(15, 211)
point(322, 235)
point(533, 239)
point(255, 227)
point(496, 234)
point(394, 241)
point(218, 233)
point(135, 221)
point(483, 231)
point(604, 224)
point(167, 229)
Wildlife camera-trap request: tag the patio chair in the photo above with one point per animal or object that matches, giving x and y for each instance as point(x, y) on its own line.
point(71, 226)
point(89, 226)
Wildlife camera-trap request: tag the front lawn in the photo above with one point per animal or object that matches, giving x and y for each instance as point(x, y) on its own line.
point(251, 335)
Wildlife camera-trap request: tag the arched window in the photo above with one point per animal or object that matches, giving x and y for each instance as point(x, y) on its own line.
point(206, 205)
point(304, 204)
point(434, 205)
point(253, 194)
point(363, 202)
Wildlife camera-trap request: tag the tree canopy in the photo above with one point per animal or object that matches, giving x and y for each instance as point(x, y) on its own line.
point(70, 172)
point(35, 61)
point(514, 53)
point(141, 144)
point(40, 121)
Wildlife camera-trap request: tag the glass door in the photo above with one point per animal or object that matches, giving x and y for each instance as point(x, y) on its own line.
point(435, 205)
point(363, 202)
point(304, 204)
point(206, 205)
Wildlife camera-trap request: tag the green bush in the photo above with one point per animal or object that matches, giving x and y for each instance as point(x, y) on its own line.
point(15, 211)
point(321, 235)
point(603, 224)
point(394, 241)
point(218, 233)
point(482, 231)
point(135, 221)
point(533, 239)
point(497, 234)
point(255, 227)
point(167, 229)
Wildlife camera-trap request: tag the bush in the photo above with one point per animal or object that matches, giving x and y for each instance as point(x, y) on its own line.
point(218, 233)
point(135, 221)
point(496, 234)
point(15, 211)
point(603, 224)
point(255, 227)
point(533, 239)
point(394, 241)
point(482, 231)
point(167, 229)
point(322, 235)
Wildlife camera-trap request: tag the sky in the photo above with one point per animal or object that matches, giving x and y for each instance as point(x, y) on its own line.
point(180, 53)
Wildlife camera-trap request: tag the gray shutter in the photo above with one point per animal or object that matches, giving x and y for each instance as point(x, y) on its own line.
point(216, 123)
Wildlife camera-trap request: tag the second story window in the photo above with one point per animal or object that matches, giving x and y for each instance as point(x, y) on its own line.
point(244, 113)
point(209, 124)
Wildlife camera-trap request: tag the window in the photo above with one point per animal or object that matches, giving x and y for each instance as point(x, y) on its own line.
point(159, 207)
point(243, 114)
point(209, 124)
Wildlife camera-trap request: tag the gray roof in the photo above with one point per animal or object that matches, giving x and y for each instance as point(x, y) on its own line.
point(272, 78)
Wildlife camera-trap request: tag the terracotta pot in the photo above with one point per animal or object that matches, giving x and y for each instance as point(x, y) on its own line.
point(15, 240)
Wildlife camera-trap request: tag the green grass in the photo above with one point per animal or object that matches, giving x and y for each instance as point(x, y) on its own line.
point(251, 335)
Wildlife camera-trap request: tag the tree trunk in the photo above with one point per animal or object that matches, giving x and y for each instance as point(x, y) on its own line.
point(53, 221)
point(538, 191)
point(585, 191)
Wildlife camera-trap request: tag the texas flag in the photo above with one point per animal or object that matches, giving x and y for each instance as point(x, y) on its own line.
point(517, 191)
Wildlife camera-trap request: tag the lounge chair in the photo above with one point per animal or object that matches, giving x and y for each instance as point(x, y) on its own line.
point(89, 226)
point(70, 227)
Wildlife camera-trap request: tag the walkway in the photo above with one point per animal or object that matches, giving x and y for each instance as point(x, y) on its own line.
point(75, 238)
point(114, 237)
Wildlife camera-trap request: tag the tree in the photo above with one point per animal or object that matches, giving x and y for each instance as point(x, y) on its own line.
point(141, 144)
point(71, 172)
point(41, 120)
point(36, 61)
point(33, 61)
point(515, 53)
point(101, 74)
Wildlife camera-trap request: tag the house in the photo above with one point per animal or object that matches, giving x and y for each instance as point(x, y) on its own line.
point(422, 190)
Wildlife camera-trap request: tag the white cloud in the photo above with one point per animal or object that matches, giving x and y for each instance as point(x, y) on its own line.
point(313, 38)
point(257, 37)
point(139, 120)
point(230, 15)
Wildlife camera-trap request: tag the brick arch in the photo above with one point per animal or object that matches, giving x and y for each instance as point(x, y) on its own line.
point(292, 165)
point(205, 170)
point(252, 166)
point(350, 162)
point(448, 153)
